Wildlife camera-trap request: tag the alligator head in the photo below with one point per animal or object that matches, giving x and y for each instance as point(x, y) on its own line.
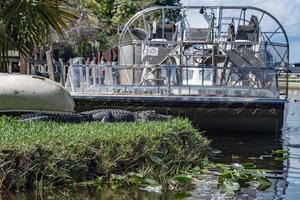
point(151, 115)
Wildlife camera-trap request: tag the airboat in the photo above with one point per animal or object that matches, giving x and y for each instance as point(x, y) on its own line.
point(216, 65)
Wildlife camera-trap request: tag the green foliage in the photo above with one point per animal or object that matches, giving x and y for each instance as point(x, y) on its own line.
point(235, 176)
point(183, 178)
point(41, 154)
point(5, 42)
point(279, 155)
point(117, 12)
point(111, 14)
point(27, 24)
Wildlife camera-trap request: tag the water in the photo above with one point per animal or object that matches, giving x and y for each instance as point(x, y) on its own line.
point(251, 148)
point(258, 148)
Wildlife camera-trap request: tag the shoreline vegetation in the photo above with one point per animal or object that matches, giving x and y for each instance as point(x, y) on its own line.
point(156, 157)
point(35, 155)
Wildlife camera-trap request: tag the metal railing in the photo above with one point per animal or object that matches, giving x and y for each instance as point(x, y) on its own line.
point(165, 80)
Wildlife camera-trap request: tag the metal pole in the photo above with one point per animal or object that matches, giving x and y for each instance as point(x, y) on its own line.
point(213, 49)
point(81, 75)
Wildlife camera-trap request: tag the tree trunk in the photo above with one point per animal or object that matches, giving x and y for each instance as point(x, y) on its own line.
point(3, 61)
point(3, 66)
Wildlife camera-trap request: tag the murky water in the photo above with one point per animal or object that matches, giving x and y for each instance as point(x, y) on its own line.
point(242, 148)
point(258, 148)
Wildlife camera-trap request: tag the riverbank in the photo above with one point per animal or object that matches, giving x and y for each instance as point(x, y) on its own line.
point(41, 154)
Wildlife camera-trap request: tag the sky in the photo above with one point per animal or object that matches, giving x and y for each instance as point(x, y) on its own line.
point(286, 11)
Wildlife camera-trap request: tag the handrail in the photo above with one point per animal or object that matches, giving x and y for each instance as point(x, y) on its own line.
point(248, 79)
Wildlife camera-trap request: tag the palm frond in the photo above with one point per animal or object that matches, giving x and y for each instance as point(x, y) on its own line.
point(28, 23)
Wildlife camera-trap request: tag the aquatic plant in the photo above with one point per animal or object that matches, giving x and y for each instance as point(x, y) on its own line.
point(44, 154)
point(235, 176)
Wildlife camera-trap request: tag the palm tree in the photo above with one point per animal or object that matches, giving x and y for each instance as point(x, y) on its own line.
point(27, 24)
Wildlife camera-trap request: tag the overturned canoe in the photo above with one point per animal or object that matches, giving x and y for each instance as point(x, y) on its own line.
point(25, 93)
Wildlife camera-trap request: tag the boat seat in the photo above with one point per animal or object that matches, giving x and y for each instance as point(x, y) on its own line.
point(248, 32)
point(198, 34)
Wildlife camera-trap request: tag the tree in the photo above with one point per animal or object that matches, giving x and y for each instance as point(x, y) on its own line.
point(99, 20)
point(112, 14)
point(27, 24)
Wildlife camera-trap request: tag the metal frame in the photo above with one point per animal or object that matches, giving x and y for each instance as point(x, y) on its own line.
point(217, 44)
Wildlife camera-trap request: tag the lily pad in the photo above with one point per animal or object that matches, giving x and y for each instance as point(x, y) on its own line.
point(228, 187)
point(264, 183)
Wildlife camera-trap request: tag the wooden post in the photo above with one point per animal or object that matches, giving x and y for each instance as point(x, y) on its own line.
point(35, 64)
point(63, 72)
point(10, 67)
point(50, 64)
point(24, 65)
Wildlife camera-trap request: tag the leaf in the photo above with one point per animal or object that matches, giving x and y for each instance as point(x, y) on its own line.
point(227, 175)
point(279, 152)
point(153, 189)
point(249, 165)
point(115, 177)
point(156, 159)
point(237, 166)
point(260, 171)
point(222, 166)
point(204, 162)
point(280, 158)
point(183, 178)
point(137, 175)
point(182, 195)
point(228, 187)
point(244, 178)
point(97, 182)
point(216, 151)
point(235, 157)
point(264, 183)
point(150, 181)
point(196, 169)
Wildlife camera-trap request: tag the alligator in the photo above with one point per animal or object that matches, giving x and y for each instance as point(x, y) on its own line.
point(56, 117)
point(103, 115)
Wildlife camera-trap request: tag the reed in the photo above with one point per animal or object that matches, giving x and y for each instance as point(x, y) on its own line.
point(47, 154)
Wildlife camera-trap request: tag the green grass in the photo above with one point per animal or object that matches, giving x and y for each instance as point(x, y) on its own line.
point(42, 154)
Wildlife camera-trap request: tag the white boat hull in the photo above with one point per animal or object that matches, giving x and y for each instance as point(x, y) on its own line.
point(25, 93)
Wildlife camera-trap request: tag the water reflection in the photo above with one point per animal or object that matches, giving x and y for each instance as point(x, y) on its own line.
point(292, 144)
